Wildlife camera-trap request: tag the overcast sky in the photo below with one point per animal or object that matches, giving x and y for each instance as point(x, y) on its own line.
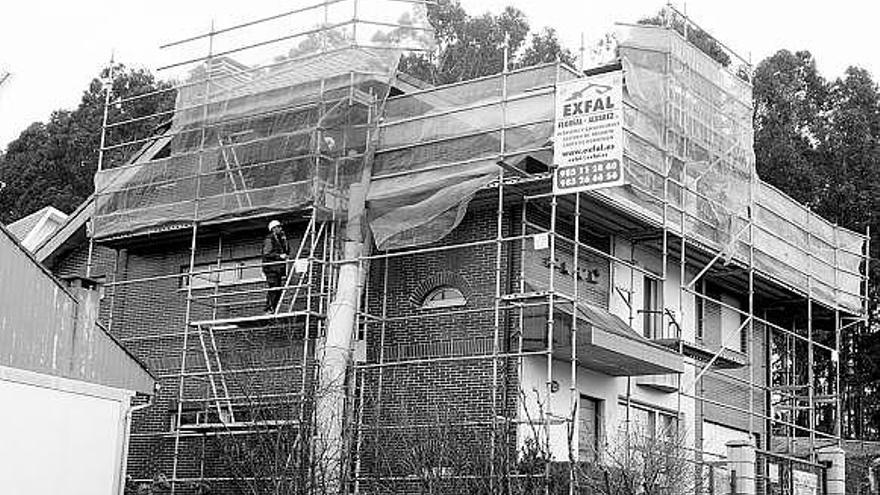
point(54, 48)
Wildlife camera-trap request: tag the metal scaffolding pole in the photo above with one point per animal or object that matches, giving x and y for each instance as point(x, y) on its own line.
point(573, 388)
point(190, 280)
point(497, 273)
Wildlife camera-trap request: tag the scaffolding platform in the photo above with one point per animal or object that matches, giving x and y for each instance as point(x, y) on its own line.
point(527, 296)
point(239, 425)
point(253, 321)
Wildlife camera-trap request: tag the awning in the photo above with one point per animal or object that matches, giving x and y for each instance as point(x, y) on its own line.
point(603, 342)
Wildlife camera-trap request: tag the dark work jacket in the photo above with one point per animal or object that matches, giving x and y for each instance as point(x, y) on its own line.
point(273, 247)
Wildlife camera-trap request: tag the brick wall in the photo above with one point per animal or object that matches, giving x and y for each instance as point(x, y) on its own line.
point(436, 370)
point(446, 403)
point(149, 317)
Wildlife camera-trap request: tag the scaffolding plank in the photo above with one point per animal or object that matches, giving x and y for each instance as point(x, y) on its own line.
point(239, 425)
point(255, 320)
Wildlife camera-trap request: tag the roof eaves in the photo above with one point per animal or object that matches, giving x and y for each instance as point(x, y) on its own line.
point(74, 222)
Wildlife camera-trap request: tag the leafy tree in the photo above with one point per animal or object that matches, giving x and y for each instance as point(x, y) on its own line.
point(819, 141)
point(474, 46)
point(789, 96)
point(695, 35)
point(850, 161)
point(545, 47)
point(849, 194)
point(53, 163)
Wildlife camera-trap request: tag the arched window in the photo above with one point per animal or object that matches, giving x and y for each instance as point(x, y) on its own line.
point(444, 297)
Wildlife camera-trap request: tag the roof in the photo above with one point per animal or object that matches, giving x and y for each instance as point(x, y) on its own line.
point(34, 228)
point(51, 328)
point(67, 237)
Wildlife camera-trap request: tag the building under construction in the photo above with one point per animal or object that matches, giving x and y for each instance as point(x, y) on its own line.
point(448, 322)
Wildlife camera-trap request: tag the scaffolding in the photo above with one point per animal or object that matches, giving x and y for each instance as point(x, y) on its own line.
point(460, 188)
point(272, 119)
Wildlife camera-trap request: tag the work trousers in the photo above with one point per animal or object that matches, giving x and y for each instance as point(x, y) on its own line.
point(275, 280)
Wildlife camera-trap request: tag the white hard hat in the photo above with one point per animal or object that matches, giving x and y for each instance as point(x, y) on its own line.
point(273, 224)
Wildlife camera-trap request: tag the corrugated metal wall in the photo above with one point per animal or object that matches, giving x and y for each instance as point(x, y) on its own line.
point(36, 312)
point(50, 329)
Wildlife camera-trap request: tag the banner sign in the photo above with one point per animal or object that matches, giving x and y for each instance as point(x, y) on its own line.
point(588, 133)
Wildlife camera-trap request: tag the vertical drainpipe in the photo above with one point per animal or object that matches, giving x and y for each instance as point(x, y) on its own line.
point(334, 353)
point(125, 431)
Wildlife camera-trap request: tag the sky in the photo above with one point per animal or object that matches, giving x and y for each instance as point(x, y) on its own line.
point(54, 48)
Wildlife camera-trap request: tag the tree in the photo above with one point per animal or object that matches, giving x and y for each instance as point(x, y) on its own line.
point(53, 163)
point(850, 151)
point(848, 195)
point(474, 46)
point(641, 462)
point(789, 96)
point(819, 142)
point(545, 47)
point(695, 35)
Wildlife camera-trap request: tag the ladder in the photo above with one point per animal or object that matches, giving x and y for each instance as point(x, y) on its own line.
point(233, 168)
point(303, 274)
point(222, 400)
point(309, 235)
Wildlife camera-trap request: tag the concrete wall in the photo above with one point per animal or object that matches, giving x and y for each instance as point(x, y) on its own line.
point(60, 435)
point(611, 390)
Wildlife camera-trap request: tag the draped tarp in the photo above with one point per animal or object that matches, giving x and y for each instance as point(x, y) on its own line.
point(296, 135)
point(685, 112)
point(284, 138)
point(438, 147)
point(685, 116)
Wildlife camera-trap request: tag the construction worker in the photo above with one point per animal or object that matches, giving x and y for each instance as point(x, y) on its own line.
point(275, 252)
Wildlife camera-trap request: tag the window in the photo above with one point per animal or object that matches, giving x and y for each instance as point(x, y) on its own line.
point(444, 297)
point(205, 414)
point(642, 421)
point(707, 318)
point(651, 308)
point(207, 275)
point(700, 309)
point(655, 423)
point(589, 428)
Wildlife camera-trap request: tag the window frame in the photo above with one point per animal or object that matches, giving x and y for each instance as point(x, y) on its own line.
point(654, 415)
point(700, 310)
point(429, 302)
point(594, 452)
point(652, 307)
point(236, 267)
point(205, 415)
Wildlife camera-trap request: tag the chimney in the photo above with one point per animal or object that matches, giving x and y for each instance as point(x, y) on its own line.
point(88, 299)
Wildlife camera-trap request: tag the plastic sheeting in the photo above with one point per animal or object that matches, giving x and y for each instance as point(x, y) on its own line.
point(683, 106)
point(439, 146)
point(289, 138)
